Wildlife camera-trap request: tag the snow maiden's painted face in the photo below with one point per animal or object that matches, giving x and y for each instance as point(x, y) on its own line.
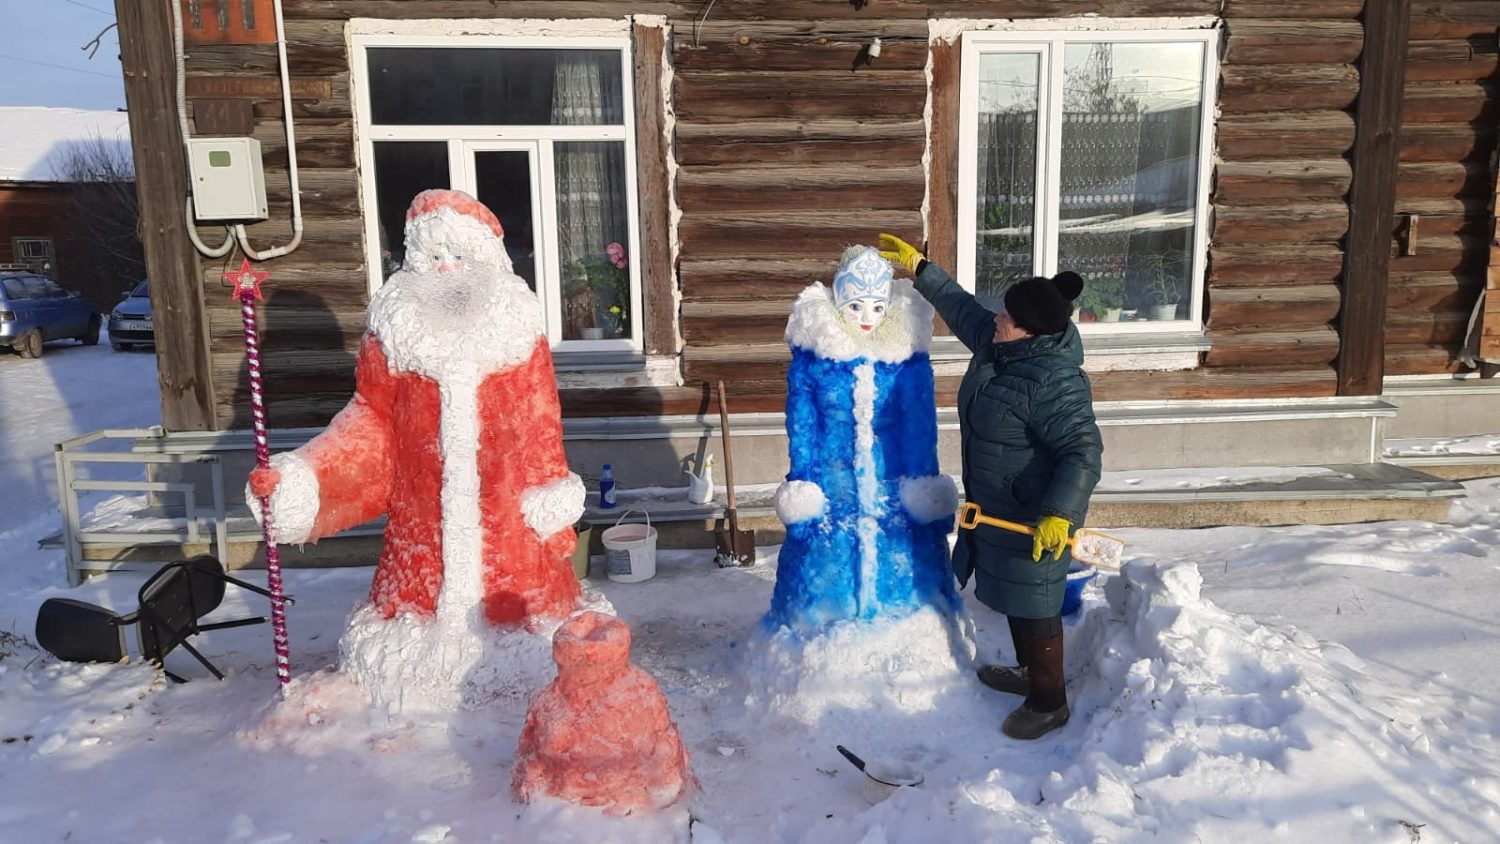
point(862, 289)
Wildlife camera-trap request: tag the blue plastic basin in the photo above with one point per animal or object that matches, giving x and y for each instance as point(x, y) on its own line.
point(1078, 575)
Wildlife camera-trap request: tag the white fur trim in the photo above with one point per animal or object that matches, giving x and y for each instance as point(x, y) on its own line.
point(929, 498)
point(294, 502)
point(817, 326)
point(551, 507)
point(798, 501)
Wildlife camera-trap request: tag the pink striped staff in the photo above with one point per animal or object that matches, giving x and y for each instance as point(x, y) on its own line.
point(247, 283)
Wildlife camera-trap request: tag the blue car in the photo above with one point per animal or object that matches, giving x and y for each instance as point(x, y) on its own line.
point(131, 322)
point(34, 310)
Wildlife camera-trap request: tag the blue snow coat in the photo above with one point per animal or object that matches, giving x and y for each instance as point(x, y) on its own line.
point(867, 513)
point(1031, 448)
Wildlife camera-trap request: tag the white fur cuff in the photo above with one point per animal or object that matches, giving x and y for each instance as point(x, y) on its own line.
point(553, 506)
point(929, 499)
point(294, 503)
point(798, 501)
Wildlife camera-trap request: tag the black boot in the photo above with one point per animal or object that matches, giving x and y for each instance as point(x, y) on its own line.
point(1013, 680)
point(1046, 706)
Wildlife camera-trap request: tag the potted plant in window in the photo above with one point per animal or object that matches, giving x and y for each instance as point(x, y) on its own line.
point(598, 294)
point(1162, 284)
point(1102, 299)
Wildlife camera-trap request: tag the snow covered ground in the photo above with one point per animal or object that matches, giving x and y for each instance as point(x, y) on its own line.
point(1233, 684)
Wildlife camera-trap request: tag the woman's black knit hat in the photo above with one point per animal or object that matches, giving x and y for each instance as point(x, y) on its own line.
point(1044, 305)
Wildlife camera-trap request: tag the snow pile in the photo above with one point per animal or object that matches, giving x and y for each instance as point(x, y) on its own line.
point(871, 671)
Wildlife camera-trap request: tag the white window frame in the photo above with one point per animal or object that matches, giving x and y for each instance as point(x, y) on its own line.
point(464, 140)
point(1048, 44)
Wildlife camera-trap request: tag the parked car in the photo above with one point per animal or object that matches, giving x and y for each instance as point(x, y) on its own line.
point(34, 309)
point(131, 322)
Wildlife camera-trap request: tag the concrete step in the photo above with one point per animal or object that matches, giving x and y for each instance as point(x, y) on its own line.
point(1454, 458)
point(1158, 498)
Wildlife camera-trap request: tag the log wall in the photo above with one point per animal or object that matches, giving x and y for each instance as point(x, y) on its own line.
point(1449, 118)
point(786, 153)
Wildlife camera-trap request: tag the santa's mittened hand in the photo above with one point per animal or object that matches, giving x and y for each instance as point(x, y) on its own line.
point(263, 482)
point(799, 501)
point(899, 252)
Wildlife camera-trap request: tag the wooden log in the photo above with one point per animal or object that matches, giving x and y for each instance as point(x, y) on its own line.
point(302, 59)
point(1260, 182)
point(1421, 359)
point(1453, 60)
point(1319, 345)
point(730, 31)
point(1299, 9)
point(735, 329)
point(653, 152)
point(1464, 253)
point(1426, 328)
point(800, 142)
point(721, 190)
point(1278, 265)
point(943, 187)
point(1300, 223)
point(1285, 135)
point(343, 10)
point(1217, 383)
point(1292, 41)
point(776, 278)
point(1446, 180)
point(805, 53)
point(1451, 103)
point(1431, 19)
point(284, 323)
point(336, 105)
point(796, 235)
point(184, 371)
point(1441, 291)
point(1287, 88)
point(1428, 142)
point(1273, 307)
point(729, 97)
point(687, 11)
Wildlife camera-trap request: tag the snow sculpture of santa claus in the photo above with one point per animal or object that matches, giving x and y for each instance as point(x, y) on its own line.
point(864, 570)
point(455, 434)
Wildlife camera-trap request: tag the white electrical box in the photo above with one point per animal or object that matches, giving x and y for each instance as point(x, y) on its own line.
point(229, 182)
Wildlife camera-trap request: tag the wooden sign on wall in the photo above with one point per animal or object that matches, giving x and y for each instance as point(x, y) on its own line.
point(228, 22)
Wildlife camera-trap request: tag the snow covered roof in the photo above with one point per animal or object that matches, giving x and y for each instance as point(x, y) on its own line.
point(32, 138)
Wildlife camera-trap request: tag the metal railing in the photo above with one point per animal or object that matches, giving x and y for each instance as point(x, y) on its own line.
point(72, 454)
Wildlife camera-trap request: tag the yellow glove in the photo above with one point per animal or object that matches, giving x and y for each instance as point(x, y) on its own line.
point(899, 252)
point(1051, 535)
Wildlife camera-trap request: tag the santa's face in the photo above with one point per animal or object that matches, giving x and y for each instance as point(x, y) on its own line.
point(864, 315)
point(445, 242)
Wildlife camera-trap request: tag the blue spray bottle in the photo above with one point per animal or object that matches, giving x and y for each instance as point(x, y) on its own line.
point(606, 488)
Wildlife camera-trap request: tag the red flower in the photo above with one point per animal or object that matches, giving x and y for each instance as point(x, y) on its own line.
point(616, 254)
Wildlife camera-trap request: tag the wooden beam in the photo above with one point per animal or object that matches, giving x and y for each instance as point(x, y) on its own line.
point(652, 151)
point(942, 200)
point(182, 362)
point(1489, 326)
point(1372, 198)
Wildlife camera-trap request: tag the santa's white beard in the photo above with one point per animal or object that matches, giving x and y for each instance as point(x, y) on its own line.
point(464, 322)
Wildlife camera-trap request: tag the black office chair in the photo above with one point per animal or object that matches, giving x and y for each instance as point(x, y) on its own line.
point(171, 603)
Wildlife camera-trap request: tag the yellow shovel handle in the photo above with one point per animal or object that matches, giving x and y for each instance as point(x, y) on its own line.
point(970, 517)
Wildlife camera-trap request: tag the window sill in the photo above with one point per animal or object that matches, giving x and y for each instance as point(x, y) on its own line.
point(605, 370)
point(597, 361)
point(1119, 352)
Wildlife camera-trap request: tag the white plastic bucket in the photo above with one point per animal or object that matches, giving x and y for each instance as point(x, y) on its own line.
point(630, 550)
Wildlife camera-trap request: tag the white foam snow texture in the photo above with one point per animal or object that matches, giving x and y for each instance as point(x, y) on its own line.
point(871, 671)
point(929, 498)
point(294, 502)
point(798, 501)
point(817, 326)
point(551, 507)
point(447, 235)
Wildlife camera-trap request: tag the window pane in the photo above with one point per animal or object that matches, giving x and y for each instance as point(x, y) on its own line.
point(1006, 207)
point(1130, 159)
point(15, 289)
point(498, 87)
point(593, 225)
point(403, 169)
point(503, 183)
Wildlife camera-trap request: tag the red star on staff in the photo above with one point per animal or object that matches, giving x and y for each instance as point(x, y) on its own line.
point(245, 279)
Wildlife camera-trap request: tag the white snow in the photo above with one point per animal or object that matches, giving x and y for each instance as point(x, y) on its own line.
point(32, 139)
point(929, 498)
point(1310, 684)
point(798, 501)
point(1487, 444)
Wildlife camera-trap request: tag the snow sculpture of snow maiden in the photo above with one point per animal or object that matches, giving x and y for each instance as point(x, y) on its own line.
point(455, 434)
point(864, 594)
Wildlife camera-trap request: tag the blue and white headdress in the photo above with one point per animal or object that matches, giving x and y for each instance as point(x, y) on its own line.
point(862, 275)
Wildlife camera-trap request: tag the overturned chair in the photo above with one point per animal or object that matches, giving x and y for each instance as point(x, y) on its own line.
point(172, 602)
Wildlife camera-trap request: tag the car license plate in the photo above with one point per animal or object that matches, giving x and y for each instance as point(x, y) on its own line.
point(135, 326)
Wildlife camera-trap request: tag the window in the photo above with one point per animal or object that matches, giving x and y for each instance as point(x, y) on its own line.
point(34, 252)
point(1084, 151)
point(538, 129)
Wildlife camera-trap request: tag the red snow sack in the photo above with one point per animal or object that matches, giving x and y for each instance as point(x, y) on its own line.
point(600, 734)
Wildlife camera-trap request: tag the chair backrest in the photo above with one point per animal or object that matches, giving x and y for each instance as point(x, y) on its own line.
point(79, 632)
point(169, 611)
point(207, 574)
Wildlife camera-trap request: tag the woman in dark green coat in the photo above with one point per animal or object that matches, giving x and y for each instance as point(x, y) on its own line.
point(1031, 454)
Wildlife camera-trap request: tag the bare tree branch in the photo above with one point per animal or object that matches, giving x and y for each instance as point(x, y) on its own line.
point(98, 39)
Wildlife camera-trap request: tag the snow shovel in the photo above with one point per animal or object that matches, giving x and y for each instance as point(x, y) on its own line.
point(734, 547)
point(896, 776)
point(1090, 547)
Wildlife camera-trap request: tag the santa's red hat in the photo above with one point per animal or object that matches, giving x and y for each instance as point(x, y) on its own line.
point(432, 201)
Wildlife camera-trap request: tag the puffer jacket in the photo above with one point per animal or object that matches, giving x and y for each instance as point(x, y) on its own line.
point(1031, 448)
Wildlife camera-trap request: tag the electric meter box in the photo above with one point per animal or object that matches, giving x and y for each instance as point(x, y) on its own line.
point(229, 182)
